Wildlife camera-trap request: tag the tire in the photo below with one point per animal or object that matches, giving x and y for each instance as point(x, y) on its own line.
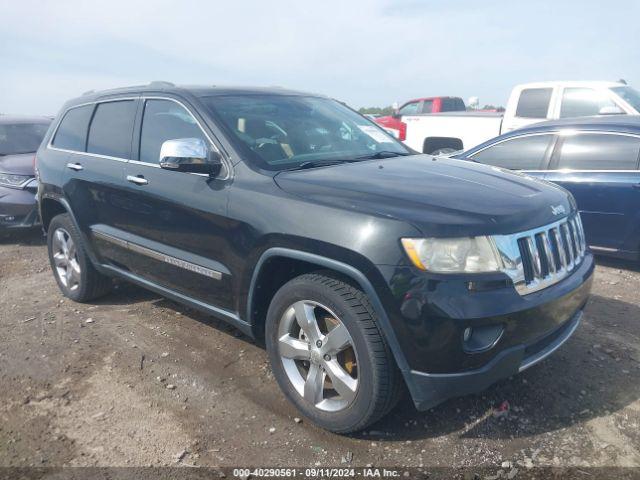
point(367, 358)
point(75, 275)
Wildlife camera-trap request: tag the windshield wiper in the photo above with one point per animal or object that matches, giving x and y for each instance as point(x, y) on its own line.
point(310, 164)
point(383, 154)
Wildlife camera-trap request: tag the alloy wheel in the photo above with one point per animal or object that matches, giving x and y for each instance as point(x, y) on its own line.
point(65, 259)
point(318, 355)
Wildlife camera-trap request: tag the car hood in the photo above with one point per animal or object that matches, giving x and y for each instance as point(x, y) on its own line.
point(20, 164)
point(439, 196)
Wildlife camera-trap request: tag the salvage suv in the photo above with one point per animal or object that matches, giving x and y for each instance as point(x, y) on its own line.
point(294, 218)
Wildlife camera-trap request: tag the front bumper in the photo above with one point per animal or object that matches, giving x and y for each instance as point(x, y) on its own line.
point(18, 208)
point(428, 390)
point(431, 315)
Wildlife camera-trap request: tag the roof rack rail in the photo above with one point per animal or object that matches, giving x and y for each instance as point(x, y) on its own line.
point(88, 92)
point(161, 83)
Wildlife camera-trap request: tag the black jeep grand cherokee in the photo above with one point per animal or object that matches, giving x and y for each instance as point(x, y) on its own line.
point(361, 264)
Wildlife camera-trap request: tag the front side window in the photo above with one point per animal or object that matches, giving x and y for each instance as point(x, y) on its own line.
point(523, 153)
point(629, 95)
point(410, 109)
point(427, 106)
point(164, 120)
point(592, 151)
point(16, 138)
point(583, 102)
point(111, 129)
point(534, 103)
point(278, 132)
point(72, 131)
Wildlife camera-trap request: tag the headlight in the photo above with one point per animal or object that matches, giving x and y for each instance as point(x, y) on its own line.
point(453, 255)
point(10, 180)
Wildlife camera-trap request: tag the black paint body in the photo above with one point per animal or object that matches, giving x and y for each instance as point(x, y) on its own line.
point(348, 218)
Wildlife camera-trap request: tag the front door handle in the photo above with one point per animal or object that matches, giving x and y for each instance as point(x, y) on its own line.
point(75, 166)
point(636, 185)
point(138, 180)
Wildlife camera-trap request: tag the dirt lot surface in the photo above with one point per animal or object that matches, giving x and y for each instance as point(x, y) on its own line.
point(137, 380)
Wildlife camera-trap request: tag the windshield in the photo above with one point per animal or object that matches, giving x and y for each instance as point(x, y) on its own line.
point(279, 132)
point(18, 138)
point(629, 95)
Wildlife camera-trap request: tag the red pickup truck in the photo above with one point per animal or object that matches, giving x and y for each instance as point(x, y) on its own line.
point(398, 128)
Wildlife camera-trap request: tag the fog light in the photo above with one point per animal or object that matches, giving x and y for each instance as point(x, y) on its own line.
point(481, 339)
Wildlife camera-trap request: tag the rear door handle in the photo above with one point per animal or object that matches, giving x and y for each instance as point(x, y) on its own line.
point(138, 180)
point(636, 185)
point(75, 166)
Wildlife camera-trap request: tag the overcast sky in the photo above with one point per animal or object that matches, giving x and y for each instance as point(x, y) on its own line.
point(365, 53)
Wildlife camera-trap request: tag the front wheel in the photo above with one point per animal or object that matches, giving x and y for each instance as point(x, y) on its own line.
point(328, 354)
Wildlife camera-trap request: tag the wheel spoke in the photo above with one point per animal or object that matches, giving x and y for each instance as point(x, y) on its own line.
point(72, 249)
point(293, 348)
point(342, 382)
point(313, 386)
point(62, 242)
point(306, 318)
point(59, 260)
point(336, 340)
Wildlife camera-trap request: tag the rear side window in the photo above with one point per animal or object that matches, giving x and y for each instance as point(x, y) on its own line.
point(599, 152)
point(164, 120)
point(453, 105)
point(534, 103)
point(583, 102)
point(111, 129)
point(523, 153)
point(72, 131)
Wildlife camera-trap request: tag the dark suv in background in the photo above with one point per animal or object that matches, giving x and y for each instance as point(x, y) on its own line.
point(295, 219)
point(20, 137)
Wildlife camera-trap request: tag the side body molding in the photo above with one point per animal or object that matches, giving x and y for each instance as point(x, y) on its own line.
point(351, 272)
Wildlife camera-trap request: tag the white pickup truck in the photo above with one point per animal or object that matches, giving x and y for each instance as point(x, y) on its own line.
point(440, 133)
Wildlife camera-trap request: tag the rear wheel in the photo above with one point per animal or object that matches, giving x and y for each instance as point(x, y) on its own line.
point(77, 278)
point(328, 355)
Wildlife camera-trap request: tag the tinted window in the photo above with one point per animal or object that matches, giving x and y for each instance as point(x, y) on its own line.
point(427, 106)
point(534, 103)
point(410, 109)
point(72, 132)
point(599, 152)
point(111, 129)
point(164, 120)
point(524, 153)
point(453, 105)
point(583, 102)
point(21, 137)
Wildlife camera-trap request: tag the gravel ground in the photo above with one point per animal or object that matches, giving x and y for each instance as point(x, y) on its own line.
point(137, 380)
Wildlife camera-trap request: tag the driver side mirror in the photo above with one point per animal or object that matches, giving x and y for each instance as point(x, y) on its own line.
point(396, 110)
point(191, 155)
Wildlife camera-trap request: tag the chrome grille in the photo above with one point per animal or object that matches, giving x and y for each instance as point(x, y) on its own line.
point(540, 257)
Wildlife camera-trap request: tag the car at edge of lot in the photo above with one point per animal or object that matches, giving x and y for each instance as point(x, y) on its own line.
point(362, 265)
point(20, 137)
point(596, 158)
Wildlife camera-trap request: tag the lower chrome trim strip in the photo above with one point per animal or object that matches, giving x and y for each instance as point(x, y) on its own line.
point(134, 247)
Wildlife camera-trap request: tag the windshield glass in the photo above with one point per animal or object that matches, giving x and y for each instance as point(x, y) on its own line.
point(18, 138)
point(279, 132)
point(629, 95)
